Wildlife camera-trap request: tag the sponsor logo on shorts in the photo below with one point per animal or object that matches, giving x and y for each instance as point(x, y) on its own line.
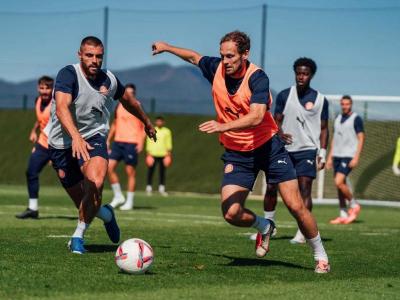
point(228, 168)
point(344, 165)
point(97, 144)
point(311, 162)
point(130, 156)
point(282, 161)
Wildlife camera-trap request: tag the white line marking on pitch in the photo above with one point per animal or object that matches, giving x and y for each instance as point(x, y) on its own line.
point(59, 236)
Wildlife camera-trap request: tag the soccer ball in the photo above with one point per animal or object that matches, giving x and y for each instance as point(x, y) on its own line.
point(134, 256)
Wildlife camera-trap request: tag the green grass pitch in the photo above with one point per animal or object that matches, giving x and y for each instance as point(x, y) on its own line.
point(197, 254)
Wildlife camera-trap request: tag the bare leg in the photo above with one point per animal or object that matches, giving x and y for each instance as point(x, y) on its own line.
point(232, 204)
point(340, 182)
point(305, 185)
point(112, 174)
point(131, 174)
point(271, 197)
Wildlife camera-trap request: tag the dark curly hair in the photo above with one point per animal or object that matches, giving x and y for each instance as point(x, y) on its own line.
point(305, 62)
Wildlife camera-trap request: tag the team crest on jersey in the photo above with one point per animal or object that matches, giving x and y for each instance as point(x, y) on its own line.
point(309, 105)
point(228, 168)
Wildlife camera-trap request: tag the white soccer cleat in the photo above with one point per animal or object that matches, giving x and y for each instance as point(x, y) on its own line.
point(253, 237)
point(117, 201)
point(149, 190)
point(126, 206)
point(262, 241)
point(322, 267)
point(298, 238)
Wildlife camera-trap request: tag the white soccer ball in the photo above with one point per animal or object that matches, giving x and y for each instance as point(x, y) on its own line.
point(134, 256)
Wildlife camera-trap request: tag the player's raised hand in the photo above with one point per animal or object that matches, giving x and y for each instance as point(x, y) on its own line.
point(159, 47)
point(33, 137)
point(354, 162)
point(80, 148)
point(212, 127)
point(150, 131)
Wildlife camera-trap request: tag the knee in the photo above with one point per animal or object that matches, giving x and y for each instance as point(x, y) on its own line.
point(298, 208)
point(31, 174)
point(339, 183)
point(232, 214)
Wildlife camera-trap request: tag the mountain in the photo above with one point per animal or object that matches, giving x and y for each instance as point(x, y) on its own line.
point(175, 89)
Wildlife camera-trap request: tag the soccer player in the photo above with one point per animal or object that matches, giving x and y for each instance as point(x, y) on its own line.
point(40, 155)
point(84, 98)
point(159, 153)
point(396, 159)
point(249, 134)
point(301, 114)
point(344, 156)
point(128, 133)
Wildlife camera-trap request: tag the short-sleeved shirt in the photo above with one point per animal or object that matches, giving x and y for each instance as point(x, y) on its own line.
point(309, 96)
point(358, 123)
point(67, 82)
point(258, 82)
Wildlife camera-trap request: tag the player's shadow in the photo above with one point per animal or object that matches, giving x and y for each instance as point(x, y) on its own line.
point(62, 217)
point(249, 262)
point(289, 237)
point(99, 248)
point(138, 207)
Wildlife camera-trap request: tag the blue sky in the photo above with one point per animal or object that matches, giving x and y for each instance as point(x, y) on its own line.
point(357, 51)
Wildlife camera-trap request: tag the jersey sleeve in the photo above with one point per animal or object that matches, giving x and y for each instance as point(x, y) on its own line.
point(325, 110)
point(168, 141)
point(259, 86)
point(66, 81)
point(358, 124)
point(120, 90)
point(281, 101)
point(208, 66)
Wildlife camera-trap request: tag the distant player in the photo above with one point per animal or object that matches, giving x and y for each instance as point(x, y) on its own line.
point(128, 134)
point(84, 97)
point(301, 114)
point(40, 153)
point(344, 156)
point(396, 159)
point(249, 134)
point(159, 153)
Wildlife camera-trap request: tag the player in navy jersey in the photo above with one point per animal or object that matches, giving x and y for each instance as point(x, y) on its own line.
point(301, 114)
point(344, 155)
point(84, 99)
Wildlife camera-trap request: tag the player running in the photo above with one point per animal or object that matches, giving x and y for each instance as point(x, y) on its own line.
point(40, 155)
point(128, 134)
point(301, 114)
point(84, 97)
point(249, 134)
point(344, 155)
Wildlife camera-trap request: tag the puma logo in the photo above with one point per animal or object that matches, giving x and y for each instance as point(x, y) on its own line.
point(311, 162)
point(280, 161)
point(302, 122)
point(229, 110)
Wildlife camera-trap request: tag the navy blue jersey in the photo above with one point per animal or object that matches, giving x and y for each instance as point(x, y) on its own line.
point(67, 82)
point(309, 96)
point(258, 81)
point(358, 122)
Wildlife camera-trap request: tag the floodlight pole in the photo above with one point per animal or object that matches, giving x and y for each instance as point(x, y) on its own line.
point(105, 36)
point(263, 34)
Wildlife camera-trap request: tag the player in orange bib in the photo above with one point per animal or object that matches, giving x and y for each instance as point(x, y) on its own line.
point(248, 132)
point(128, 134)
point(40, 154)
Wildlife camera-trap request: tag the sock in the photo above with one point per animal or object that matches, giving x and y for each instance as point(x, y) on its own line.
point(161, 188)
point(270, 215)
point(80, 229)
point(318, 248)
point(33, 204)
point(353, 203)
point(261, 224)
point(149, 188)
point(117, 190)
point(130, 198)
point(299, 235)
point(104, 214)
point(343, 213)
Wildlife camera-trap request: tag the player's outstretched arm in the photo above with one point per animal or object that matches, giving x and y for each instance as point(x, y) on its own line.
point(361, 138)
point(329, 160)
point(134, 107)
point(253, 118)
point(33, 134)
point(111, 134)
point(286, 137)
point(186, 54)
point(324, 136)
point(79, 146)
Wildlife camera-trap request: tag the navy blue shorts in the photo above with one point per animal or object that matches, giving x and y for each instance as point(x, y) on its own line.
point(241, 168)
point(68, 167)
point(124, 151)
point(341, 165)
point(305, 162)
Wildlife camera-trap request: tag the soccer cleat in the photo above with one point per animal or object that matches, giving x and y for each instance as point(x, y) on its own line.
point(117, 201)
point(338, 220)
point(253, 237)
point(149, 190)
point(298, 238)
point(112, 226)
point(262, 240)
point(322, 267)
point(350, 219)
point(355, 210)
point(126, 206)
point(28, 213)
point(76, 245)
